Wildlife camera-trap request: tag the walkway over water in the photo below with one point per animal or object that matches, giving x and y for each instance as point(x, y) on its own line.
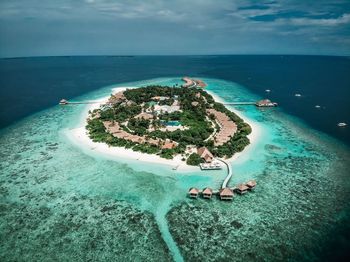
point(81, 102)
point(229, 173)
point(239, 103)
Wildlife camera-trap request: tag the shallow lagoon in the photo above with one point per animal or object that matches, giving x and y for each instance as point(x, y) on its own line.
point(59, 201)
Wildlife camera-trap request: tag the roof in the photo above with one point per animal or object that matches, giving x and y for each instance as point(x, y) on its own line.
point(207, 191)
point(194, 103)
point(242, 187)
point(145, 116)
point(168, 145)
point(226, 192)
point(204, 152)
point(193, 190)
point(264, 101)
point(251, 183)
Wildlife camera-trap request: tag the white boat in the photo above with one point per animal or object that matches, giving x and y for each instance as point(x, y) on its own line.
point(342, 124)
point(268, 90)
point(317, 106)
point(297, 95)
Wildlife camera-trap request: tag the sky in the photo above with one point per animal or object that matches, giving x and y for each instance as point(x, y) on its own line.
point(173, 27)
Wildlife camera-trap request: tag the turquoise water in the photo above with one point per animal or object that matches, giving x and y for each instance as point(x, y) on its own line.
point(173, 123)
point(66, 202)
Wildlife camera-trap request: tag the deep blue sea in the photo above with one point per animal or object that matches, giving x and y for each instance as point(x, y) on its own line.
point(63, 200)
point(28, 85)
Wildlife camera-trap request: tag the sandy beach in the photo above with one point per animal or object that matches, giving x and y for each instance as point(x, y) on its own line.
point(79, 136)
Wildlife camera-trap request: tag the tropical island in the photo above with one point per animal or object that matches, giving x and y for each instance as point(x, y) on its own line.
point(169, 121)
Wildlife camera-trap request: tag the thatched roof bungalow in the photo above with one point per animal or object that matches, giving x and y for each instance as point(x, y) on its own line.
point(204, 153)
point(226, 194)
point(193, 192)
point(242, 189)
point(251, 184)
point(207, 193)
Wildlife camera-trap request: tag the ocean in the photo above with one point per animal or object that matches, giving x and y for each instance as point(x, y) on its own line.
point(61, 201)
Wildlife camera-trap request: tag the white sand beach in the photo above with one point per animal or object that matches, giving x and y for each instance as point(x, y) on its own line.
point(79, 136)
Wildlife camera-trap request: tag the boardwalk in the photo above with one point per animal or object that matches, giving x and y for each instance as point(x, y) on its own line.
point(65, 102)
point(239, 103)
point(229, 173)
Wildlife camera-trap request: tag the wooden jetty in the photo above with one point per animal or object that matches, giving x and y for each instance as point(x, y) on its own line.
point(225, 192)
point(229, 173)
point(66, 102)
point(260, 103)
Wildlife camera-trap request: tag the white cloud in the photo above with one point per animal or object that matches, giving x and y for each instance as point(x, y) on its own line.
point(343, 19)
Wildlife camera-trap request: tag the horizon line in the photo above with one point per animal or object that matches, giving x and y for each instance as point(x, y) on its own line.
point(282, 54)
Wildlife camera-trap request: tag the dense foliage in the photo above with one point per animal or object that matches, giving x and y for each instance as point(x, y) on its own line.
point(192, 115)
point(194, 160)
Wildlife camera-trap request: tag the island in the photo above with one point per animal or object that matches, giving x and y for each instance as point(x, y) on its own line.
point(169, 121)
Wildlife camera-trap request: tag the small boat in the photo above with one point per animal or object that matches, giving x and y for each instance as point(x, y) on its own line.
point(317, 106)
point(342, 124)
point(268, 90)
point(297, 95)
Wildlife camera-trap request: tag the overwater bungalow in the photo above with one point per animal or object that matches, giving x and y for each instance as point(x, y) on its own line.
point(63, 102)
point(242, 189)
point(251, 184)
point(226, 194)
point(265, 103)
point(207, 193)
point(193, 192)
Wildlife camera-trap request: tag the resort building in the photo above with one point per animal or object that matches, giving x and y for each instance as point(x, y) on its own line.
point(194, 103)
point(169, 145)
point(193, 192)
point(207, 193)
point(159, 98)
point(115, 130)
point(146, 116)
point(165, 108)
point(265, 103)
point(118, 97)
point(251, 184)
point(227, 127)
point(205, 154)
point(63, 102)
point(226, 194)
point(189, 82)
point(242, 189)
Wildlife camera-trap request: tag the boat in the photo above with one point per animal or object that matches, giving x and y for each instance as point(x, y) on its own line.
point(297, 95)
point(342, 124)
point(268, 90)
point(317, 106)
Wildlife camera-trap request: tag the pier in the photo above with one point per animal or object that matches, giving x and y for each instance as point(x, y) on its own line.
point(229, 173)
point(66, 102)
point(225, 192)
point(240, 103)
point(260, 103)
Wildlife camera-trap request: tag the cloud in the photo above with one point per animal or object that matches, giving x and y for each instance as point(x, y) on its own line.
point(178, 25)
point(343, 19)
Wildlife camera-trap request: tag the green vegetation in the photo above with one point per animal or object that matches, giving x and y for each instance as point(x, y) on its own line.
point(191, 115)
point(194, 160)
